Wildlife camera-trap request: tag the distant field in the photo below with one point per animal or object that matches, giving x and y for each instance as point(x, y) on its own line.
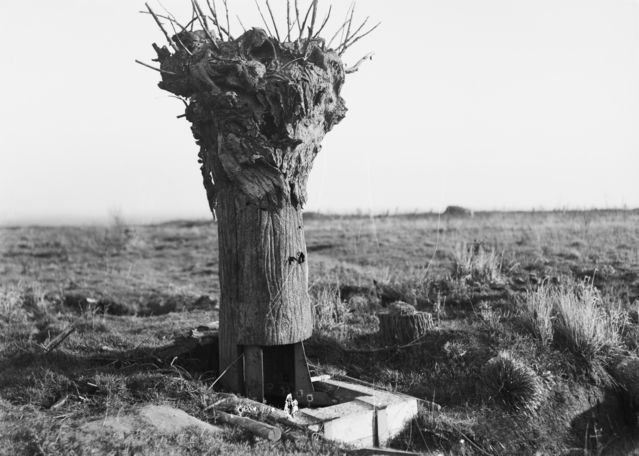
point(485, 279)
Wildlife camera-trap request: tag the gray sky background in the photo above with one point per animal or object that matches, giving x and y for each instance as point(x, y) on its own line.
point(492, 104)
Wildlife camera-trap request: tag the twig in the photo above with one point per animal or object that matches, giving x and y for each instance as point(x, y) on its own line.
point(341, 29)
point(355, 67)
point(60, 338)
point(313, 18)
point(297, 15)
point(200, 13)
point(288, 20)
point(157, 21)
point(228, 23)
point(240, 21)
point(156, 69)
point(214, 404)
point(349, 36)
point(350, 23)
point(168, 13)
point(162, 17)
point(263, 19)
point(270, 12)
point(193, 19)
point(303, 26)
point(203, 24)
point(224, 372)
point(346, 46)
point(177, 37)
point(330, 8)
point(189, 24)
point(213, 10)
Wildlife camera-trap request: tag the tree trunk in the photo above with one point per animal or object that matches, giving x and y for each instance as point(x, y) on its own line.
point(263, 278)
point(259, 109)
point(402, 329)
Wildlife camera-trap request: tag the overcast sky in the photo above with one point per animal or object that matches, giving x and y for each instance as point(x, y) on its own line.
point(491, 104)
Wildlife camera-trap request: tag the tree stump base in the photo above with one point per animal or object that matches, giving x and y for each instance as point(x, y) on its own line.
point(403, 324)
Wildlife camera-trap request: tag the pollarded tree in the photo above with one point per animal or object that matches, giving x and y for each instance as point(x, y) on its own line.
point(259, 106)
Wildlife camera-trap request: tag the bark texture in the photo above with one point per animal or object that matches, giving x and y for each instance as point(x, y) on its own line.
point(259, 110)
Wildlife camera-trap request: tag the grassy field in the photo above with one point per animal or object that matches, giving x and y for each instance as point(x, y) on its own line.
point(532, 310)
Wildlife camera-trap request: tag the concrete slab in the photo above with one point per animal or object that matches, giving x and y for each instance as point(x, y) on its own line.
point(365, 416)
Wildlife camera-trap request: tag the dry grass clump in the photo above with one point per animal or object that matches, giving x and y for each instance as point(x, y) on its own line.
point(474, 263)
point(575, 315)
point(330, 312)
point(589, 328)
point(512, 383)
point(538, 312)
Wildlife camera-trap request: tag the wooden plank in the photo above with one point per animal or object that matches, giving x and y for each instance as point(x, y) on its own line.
point(254, 372)
point(303, 384)
point(229, 358)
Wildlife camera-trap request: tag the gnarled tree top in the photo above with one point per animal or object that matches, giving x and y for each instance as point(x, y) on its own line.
point(259, 106)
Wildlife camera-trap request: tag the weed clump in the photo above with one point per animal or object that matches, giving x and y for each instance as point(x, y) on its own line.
point(512, 383)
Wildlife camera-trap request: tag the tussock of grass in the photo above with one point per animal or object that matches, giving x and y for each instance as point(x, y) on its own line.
point(538, 313)
point(588, 327)
point(476, 264)
point(512, 383)
point(330, 312)
point(574, 315)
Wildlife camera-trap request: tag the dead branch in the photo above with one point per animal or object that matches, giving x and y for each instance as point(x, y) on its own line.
point(302, 28)
point(263, 19)
point(297, 15)
point(168, 13)
point(330, 8)
point(213, 10)
point(349, 20)
point(60, 338)
point(355, 67)
point(346, 46)
point(156, 69)
point(193, 19)
point(341, 29)
point(270, 12)
point(200, 13)
point(157, 21)
point(170, 19)
point(196, 10)
point(258, 428)
point(350, 23)
point(189, 24)
point(313, 18)
point(228, 23)
point(348, 34)
point(381, 452)
point(288, 20)
point(240, 21)
point(176, 35)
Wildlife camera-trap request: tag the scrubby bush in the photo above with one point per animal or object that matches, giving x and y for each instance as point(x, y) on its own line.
point(511, 383)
